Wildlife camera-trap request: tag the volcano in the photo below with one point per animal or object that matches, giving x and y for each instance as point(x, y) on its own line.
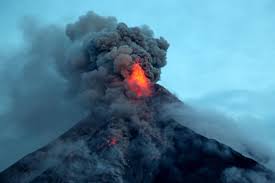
point(113, 69)
point(101, 149)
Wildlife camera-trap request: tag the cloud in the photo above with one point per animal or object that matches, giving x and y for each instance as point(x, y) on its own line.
point(232, 175)
point(37, 106)
point(227, 130)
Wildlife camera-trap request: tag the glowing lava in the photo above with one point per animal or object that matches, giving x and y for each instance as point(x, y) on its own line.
point(113, 141)
point(138, 82)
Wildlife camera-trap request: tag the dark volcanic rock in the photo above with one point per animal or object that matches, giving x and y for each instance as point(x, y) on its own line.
point(126, 149)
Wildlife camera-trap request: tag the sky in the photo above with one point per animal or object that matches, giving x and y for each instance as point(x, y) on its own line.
point(221, 54)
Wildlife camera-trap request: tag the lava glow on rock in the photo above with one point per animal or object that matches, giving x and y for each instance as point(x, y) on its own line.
point(138, 82)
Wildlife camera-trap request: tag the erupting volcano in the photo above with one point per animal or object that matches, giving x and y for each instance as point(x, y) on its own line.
point(138, 82)
point(121, 141)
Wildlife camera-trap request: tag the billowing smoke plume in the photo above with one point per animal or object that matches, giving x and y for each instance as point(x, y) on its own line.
point(36, 105)
point(57, 72)
point(104, 54)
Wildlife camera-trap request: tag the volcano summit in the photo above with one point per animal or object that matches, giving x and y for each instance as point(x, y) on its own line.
point(113, 69)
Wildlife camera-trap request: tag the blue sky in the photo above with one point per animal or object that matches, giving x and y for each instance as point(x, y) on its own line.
point(221, 55)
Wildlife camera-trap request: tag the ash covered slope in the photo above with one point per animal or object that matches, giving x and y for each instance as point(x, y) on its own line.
point(149, 149)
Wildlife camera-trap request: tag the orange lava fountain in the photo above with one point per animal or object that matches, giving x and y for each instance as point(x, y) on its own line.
point(138, 82)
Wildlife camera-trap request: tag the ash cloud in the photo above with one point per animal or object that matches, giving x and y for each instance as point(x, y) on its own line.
point(104, 52)
point(37, 106)
point(108, 50)
point(59, 75)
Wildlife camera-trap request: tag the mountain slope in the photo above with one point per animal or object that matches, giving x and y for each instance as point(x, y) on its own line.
point(103, 148)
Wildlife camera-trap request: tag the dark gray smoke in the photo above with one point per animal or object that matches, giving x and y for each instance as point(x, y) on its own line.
point(59, 75)
point(100, 60)
point(104, 52)
point(36, 104)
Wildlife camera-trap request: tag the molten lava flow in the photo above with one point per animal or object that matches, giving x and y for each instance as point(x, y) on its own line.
point(138, 82)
